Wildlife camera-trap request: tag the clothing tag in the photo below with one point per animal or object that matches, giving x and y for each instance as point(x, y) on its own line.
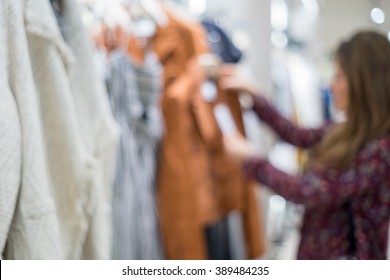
point(209, 91)
point(225, 119)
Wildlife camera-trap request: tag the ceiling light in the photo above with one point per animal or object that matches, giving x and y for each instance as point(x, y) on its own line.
point(377, 16)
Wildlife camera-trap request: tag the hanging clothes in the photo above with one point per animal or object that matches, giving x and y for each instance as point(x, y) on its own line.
point(234, 192)
point(10, 142)
point(134, 92)
point(217, 238)
point(61, 184)
point(224, 236)
point(221, 43)
point(185, 192)
point(100, 132)
point(196, 184)
point(35, 210)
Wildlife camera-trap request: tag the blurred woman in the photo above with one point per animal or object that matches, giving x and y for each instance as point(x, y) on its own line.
point(345, 187)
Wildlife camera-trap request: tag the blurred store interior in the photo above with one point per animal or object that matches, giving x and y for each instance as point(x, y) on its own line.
point(286, 48)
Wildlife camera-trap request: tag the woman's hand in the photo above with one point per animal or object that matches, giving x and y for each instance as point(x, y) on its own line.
point(238, 148)
point(231, 80)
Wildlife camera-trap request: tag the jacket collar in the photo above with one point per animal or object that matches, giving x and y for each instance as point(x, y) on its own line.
point(40, 21)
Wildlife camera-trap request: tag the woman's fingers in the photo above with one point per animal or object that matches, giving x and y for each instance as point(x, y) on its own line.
point(237, 148)
point(227, 70)
point(231, 84)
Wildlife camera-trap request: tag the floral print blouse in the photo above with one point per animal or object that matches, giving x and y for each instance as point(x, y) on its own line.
point(326, 228)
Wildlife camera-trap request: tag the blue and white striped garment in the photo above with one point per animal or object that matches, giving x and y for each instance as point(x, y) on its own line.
point(134, 93)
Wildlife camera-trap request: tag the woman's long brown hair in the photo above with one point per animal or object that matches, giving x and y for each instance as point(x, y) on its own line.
point(365, 59)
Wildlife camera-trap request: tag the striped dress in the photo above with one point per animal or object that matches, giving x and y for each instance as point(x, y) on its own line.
point(134, 92)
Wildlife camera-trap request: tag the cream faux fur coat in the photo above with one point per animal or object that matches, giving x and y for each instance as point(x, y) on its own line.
point(57, 180)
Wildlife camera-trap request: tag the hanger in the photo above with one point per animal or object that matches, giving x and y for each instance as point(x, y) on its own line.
point(146, 16)
point(180, 9)
point(112, 14)
point(156, 11)
point(110, 23)
point(147, 8)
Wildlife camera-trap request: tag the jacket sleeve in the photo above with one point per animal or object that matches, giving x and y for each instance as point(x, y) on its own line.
point(10, 144)
point(327, 186)
point(289, 132)
point(10, 161)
